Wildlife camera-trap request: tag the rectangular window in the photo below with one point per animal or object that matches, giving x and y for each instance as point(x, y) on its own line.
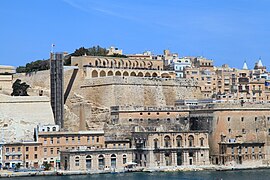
point(79, 139)
point(35, 148)
point(73, 140)
point(35, 156)
point(26, 148)
point(88, 139)
point(58, 140)
point(19, 149)
point(51, 140)
point(45, 140)
point(26, 156)
point(97, 139)
point(93, 139)
point(51, 150)
point(45, 150)
point(232, 150)
point(58, 150)
point(66, 139)
point(13, 149)
point(7, 149)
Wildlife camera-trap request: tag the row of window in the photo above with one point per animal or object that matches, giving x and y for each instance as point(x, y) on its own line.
point(242, 118)
point(90, 139)
point(157, 119)
point(101, 161)
point(19, 156)
point(13, 149)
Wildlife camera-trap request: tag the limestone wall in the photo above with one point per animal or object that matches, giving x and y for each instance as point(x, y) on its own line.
point(20, 115)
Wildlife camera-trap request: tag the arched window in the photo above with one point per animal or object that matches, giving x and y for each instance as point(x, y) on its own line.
point(102, 73)
point(178, 141)
point(113, 161)
point(125, 73)
point(202, 141)
point(110, 73)
point(94, 73)
point(156, 143)
point(190, 141)
point(118, 73)
point(96, 63)
point(167, 141)
point(88, 162)
point(124, 159)
point(104, 63)
point(48, 129)
point(101, 162)
point(54, 128)
point(77, 161)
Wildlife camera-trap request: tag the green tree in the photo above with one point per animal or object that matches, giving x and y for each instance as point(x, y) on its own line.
point(47, 166)
point(19, 89)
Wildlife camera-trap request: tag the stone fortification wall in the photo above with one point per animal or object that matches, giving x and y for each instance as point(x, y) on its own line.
point(20, 115)
point(139, 91)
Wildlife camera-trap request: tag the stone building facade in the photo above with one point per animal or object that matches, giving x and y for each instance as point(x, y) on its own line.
point(155, 149)
point(25, 154)
point(96, 160)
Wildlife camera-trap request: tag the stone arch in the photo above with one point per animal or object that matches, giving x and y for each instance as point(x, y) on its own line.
point(101, 161)
point(110, 73)
point(167, 141)
point(104, 63)
point(190, 141)
point(122, 63)
point(96, 63)
point(125, 73)
point(147, 74)
point(132, 73)
point(154, 74)
point(94, 73)
point(113, 161)
point(140, 74)
point(137, 64)
point(141, 65)
point(133, 65)
point(178, 141)
point(144, 64)
point(130, 64)
point(102, 73)
point(111, 63)
point(126, 64)
point(165, 75)
point(118, 73)
point(119, 64)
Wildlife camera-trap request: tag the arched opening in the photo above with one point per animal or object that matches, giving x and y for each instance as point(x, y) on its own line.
point(94, 73)
point(190, 140)
point(165, 75)
point(77, 161)
point(113, 161)
point(167, 141)
point(126, 65)
point(132, 74)
point(88, 162)
point(178, 141)
point(118, 73)
point(104, 63)
point(102, 73)
point(124, 159)
point(140, 74)
point(147, 74)
point(154, 74)
point(101, 162)
point(119, 64)
point(156, 143)
point(202, 141)
point(125, 73)
point(110, 73)
point(54, 128)
point(158, 67)
point(96, 63)
point(111, 64)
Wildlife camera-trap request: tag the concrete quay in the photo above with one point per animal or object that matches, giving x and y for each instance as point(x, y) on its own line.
point(9, 174)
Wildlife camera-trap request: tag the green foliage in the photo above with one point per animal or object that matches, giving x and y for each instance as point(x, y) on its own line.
point(117, 55)
point(93, 51)
point(19, 89)
point(17, 166)
point(47, 166)
point(34, 66)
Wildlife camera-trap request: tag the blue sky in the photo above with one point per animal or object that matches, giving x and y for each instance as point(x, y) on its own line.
point(227, 31)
